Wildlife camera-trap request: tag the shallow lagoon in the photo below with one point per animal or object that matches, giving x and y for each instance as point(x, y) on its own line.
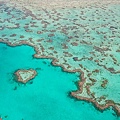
point(46, 96)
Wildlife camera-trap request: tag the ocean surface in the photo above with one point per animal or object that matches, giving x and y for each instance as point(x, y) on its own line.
point(79, 38)
point(46, 96)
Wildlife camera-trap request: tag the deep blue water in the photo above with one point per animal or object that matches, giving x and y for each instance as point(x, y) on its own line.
point(46, 96)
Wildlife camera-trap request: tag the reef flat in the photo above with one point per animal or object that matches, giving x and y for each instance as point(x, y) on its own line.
point(80, 36)
point(25, 75)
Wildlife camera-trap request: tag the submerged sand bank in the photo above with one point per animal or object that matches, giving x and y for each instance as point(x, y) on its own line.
point(61, 3)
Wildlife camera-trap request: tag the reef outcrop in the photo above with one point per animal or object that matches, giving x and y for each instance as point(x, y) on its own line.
point(25, 75)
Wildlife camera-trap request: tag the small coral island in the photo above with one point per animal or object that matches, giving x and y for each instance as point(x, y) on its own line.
point(25, 75)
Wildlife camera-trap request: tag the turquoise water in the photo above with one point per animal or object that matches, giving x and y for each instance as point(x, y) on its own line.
point(46, 96)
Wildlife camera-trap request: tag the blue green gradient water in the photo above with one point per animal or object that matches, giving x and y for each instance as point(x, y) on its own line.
point(46, 96)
